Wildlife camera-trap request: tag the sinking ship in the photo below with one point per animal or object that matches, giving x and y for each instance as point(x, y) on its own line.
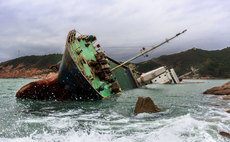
point(87, 73)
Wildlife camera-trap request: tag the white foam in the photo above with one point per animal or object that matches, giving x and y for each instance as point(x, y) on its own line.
point(179, 129)
point(185, 128)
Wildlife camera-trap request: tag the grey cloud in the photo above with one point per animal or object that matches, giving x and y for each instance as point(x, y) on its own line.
point(121, 26)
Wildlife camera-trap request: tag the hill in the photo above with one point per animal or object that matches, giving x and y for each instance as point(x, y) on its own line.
point(215, 63)
point(28, 66)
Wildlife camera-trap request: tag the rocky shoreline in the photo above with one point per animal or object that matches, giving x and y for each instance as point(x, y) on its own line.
point(204, 77)
point(219, 90)
point(33, 76)
point(224, 91)
point(21, 72)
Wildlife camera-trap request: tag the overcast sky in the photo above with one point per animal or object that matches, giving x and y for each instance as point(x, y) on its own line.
point(122, 27)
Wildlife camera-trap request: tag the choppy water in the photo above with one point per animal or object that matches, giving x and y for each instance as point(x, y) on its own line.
point(187, 115)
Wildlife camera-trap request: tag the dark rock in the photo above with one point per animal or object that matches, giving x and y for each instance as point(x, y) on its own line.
point(219, 90)
point(226, 97)
point(228, 111)
point(145, 105)
point(225, 134)
point(218, 104)
point(215, 104)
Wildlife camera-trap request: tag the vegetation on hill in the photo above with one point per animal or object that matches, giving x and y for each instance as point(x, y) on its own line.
point(39, 62)
point(214, 63)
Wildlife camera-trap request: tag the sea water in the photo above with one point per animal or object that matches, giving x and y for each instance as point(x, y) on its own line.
point(187, 116)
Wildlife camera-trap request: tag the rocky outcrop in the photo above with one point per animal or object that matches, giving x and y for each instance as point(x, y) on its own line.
point(21, 71)
point(219, 90)
point(226, 97)
point(29, 66)
point(225, 134)
point(145, 105)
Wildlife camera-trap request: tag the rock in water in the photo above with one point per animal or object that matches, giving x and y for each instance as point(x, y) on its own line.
point(226, 97)
point(224, 134)
point(228, 111)
point(145, 105)
point(219, 90)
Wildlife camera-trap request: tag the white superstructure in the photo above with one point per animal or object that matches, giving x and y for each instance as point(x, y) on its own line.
point(160, 75)
point(148, 76)
point(167, 77)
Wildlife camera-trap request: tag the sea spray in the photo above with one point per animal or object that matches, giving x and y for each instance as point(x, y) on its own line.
point(187, 115)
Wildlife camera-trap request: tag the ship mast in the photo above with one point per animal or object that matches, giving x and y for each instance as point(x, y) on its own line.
point(154, 47)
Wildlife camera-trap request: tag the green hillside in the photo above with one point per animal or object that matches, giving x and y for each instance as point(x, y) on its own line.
point(214, 63)
point(39, 62)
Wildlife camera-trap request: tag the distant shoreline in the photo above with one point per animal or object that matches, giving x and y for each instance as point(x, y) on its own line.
point(42, 76)
point(39, 67)
point(201, 78)
point(207, 78)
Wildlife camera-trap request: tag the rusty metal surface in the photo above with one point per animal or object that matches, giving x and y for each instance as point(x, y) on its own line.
point(77, 72)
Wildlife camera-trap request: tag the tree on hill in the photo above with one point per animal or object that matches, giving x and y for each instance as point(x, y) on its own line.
point(39, 62)
point(210, 63)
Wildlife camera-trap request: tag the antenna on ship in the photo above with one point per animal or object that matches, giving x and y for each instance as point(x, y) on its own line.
point(146, 51)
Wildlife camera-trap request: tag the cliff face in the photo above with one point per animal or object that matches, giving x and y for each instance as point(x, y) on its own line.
point(29, 66)
point(21, 72)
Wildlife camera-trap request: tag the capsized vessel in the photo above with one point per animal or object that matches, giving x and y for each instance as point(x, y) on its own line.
point(85, 72)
